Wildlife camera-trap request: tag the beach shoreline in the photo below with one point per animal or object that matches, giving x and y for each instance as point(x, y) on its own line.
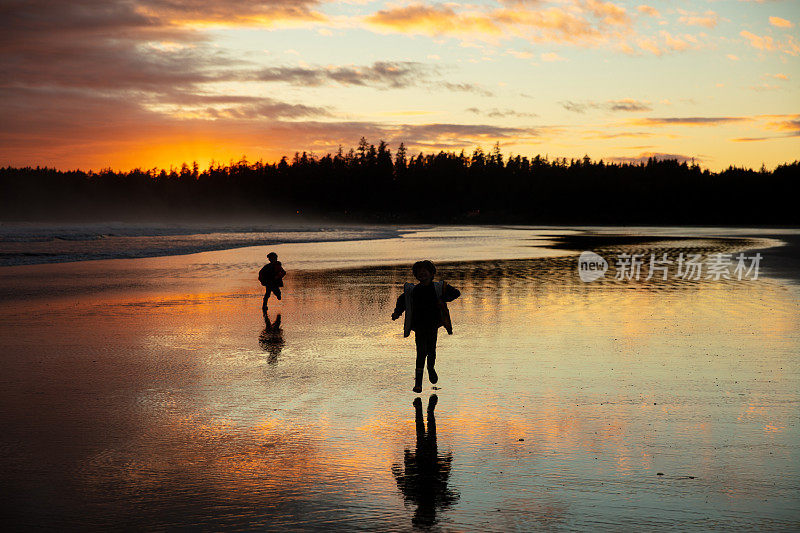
point(176, 273)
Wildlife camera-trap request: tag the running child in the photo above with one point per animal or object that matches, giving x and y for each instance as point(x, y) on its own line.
point(425, 306)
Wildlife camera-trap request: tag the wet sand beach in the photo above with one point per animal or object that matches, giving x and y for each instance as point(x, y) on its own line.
point(152, 394)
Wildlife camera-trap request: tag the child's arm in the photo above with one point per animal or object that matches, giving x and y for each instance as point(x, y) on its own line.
point(399, 307)
point(450, 293)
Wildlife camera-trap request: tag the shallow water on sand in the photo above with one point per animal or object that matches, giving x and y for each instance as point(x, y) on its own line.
point(162, 399)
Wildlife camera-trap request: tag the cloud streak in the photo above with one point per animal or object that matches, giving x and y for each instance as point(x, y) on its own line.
point(644, 156)
point(690, 121)
point(500, 113)
point(205, 13)
point(790, 126)
point(385, 74)
point(624, 105)
point(588, 21)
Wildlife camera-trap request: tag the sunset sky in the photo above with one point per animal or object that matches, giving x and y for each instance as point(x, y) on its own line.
point(125, 83)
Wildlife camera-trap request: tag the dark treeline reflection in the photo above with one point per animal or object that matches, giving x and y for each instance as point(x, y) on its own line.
point(374, 184)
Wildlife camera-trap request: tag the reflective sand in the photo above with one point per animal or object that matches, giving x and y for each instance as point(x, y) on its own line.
point(152, 394)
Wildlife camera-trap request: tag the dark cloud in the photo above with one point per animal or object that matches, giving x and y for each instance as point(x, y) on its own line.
point(51, 20)
point(500, 113)
point(691, 121)
point(267, 108)
point(101, 46)
point(625, 104)
point(386, 74)
point(575, 107)
point(753, 139)
point(49, 116)
point(466, 132)
point(466, 87)
point(642, 158)
point(605, 135)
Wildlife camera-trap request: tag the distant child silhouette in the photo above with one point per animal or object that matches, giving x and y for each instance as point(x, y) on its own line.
point(271, 277)
point(425, 305)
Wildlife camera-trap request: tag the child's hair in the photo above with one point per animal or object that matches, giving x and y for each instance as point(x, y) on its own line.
point(427, 265)
point(272, 255)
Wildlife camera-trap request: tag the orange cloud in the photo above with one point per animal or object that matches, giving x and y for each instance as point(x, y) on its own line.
point(780, 23)
point(608, 12)
point(649, 10)
point(552, 23)
point(674, 43)
point(587, 22)
point(768, 44)
point(519, 54)
point(551, 56)
point(791, 126)
point(791, 47)
point(649, 44)
point(762, 43)
point(211, 13)
point(665, 42)
point(432, 20)
point(708, 19)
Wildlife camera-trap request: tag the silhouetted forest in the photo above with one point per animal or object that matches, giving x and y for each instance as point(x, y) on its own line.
point(372, 184)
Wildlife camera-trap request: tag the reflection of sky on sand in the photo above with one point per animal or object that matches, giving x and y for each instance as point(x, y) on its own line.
point(168, 410)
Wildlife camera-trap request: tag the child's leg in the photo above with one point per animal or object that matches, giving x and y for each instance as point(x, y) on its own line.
point(432, 357)
point(432, 348)
point(277, 291)
point(266, 297)
point(421, 340)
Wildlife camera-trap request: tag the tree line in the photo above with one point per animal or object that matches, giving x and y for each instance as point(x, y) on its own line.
point(371, 184)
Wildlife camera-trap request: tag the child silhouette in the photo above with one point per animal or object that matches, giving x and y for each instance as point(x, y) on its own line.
point(271, 277)
point(425, 306)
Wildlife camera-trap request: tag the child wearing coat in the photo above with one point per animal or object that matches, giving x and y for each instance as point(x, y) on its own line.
point(425, 306)
point(271, 277)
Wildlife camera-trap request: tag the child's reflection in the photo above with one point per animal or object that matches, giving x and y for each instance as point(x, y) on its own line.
point(423, 477)
point(271, 339)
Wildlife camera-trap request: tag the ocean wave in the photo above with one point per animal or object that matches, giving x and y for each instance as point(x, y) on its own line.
point(39, 232)
point(25, 244)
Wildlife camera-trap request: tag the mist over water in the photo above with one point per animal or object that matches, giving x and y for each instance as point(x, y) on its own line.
point(171, 402)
